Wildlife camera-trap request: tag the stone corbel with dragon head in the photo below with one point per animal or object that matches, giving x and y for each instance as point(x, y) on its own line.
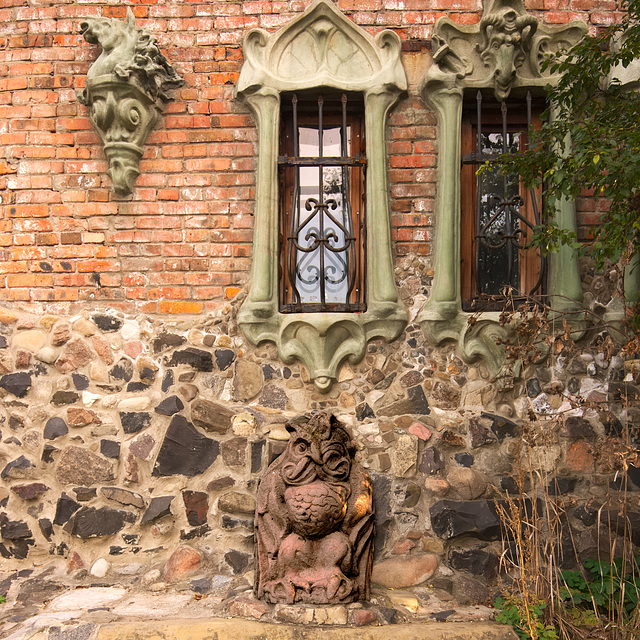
point(126, 89)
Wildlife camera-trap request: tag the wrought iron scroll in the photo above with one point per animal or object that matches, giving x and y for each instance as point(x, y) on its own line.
point(506, 226)
point(321, 241)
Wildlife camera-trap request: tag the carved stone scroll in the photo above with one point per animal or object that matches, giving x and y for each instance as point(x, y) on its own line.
point(314, 519)
point(125, 92)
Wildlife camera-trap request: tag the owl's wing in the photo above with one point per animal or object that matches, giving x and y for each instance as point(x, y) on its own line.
point(270, 527)
point(359, 527)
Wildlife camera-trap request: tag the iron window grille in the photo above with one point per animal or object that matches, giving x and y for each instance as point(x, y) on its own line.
point(498, 214)
point(321, 182)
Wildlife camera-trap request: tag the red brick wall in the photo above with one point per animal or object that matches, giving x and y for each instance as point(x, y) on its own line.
point(182, 243)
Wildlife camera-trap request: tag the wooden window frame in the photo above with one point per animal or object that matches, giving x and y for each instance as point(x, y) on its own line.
point(307, 115)
point(530, 262)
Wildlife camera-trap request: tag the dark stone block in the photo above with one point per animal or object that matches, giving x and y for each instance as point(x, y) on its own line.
point(89, 522)
point(198, 359)
point(561, 485)
point(13, 529)
point(229, 522)
point(475, 561)
point(201, 585)
point(19, 463)
point(55, 428)
point(135, 387)
point(167, 381)
point(110, 449)
point(269, 372)
point(414, 403)
point(47, 453)
point(16, 383)
point(134, 421)
point(388, 615)
point(211, 416)
point(116, 551)
point(46, 527)
point(275, 449)
point(382, 500)
point(3, 342)
point(185, 451)
point(441, 616)
point(502, 427)
point(576, 427)
point(84, 494)
point(480, 435)
point(196, 532)
point(363, 410)
point(30, 491)
point(80, 382)
point(224, 358)
point(65, 508)
point(197, 506)
point(587, 515)
point(450, 518)
point(147, 375)
point(464, 459)
point(221, 483)
point(431, 462)
point(411, 496)
point(170, 406)
point(82, 632)
point(20, 548)
point(509, 485)
point(623, 392)
point(624, 524)
point(533, 387)
point(122, 370)
point(573, 385)
point(234, 452)
point(167, 340)
point(633, 473)
point(273, 397)
point(158, 508)
point(64, 397)
point(613, 427)
point(107, 323)
point(256, 455)
point(237, 560)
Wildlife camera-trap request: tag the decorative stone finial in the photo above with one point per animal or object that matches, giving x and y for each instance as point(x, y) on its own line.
point(125, 93)
point(314, 519)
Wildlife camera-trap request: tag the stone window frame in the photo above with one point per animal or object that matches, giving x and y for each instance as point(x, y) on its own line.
point(346, 58)
point(501, 53)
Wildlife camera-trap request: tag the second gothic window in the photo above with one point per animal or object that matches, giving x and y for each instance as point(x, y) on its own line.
point(321, 200)
point(498, 214)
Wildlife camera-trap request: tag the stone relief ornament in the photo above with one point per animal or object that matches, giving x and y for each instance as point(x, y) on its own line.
point(126, 89)
point(314, 519)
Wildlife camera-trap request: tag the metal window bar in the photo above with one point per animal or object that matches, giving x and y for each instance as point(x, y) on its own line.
point(514, 236)
point(314, 230)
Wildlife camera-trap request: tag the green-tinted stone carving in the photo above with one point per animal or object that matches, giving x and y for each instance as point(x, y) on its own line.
point(125, 92)
point(321, 48)
point(501, 54)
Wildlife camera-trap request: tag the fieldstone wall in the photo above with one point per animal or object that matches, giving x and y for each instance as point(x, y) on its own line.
point(132, 446)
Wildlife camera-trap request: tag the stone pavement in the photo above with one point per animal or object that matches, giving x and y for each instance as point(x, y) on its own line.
point(45, 604)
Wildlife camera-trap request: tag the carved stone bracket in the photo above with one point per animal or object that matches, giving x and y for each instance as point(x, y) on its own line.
point(321, 48)
point(125, 93)
point(501, 54)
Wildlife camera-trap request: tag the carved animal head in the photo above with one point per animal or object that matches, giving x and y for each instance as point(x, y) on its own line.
point(108, 32)
point(318, 449)
point(505, 41)
point(130, 52)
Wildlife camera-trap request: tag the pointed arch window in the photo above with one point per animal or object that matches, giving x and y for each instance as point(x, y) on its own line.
point(317, 217)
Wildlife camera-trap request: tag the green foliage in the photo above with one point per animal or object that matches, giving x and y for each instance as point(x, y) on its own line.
point(608, 587)
point(526, 618)
point(600, 119)
point(2, 599)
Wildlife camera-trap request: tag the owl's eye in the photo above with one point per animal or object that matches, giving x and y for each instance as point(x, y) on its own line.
point(300, 447)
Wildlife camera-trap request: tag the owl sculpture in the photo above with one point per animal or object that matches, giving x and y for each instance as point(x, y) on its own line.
point(314, 519)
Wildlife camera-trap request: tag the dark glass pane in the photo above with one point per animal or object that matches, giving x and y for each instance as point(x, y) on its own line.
point(498, 221)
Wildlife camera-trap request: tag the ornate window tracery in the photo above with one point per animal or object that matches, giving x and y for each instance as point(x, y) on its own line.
point(321, 51)
point(500, 55)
